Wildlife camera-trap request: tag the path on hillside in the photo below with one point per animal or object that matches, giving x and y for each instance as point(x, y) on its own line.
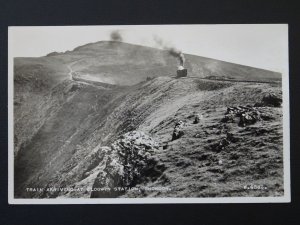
point(82, 80)
point(232, 80)
point(98, 85)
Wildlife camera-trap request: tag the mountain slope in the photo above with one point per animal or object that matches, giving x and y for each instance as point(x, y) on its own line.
point(108, 62)
point(127, 64)
point(63, 155)
point(65, 128)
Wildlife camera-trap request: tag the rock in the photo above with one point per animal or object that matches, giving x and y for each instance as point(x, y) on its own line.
point(231, 138)
point(248, 118)
point(267, 116)
point(197, 135)
point(272, 99)
point(178, 132)
point(224, 142)
point(246, 114)
point(229, 118)
point(198, 118)
point(221, 145)
point(128, 161)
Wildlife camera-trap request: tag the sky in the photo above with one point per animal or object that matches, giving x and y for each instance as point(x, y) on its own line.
point(262, 46)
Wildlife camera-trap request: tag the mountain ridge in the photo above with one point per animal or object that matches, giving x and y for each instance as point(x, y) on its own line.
point(88, 119)
point(154, 48)
point(65, 129)
point(139, 45)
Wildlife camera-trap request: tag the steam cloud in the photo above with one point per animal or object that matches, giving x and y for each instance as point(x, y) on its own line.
point(172, 50)
point(178, 54)
point(116, 35)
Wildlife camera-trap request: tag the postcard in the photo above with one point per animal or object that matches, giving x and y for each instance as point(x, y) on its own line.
point(148, 114)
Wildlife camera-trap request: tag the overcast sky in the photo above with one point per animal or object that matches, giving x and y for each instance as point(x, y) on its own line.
point(262, 46)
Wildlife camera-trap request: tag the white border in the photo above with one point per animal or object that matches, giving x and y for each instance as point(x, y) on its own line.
point(286, 157)
point(10, 89)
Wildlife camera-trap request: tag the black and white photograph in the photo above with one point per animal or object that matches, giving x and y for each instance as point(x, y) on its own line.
point(148, 114)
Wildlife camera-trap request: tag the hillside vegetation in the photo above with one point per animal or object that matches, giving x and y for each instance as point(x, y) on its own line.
point(127, 64)
point(71, 133)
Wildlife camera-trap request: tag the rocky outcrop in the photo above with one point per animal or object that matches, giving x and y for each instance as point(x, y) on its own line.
point(129, 161)
point(271, 100)
point(224, 142)
point(249, 117)
point(198, 118)
point(178, 130)
point(246, 114)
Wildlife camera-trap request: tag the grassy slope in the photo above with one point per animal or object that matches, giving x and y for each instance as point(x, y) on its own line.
point(127, 64)
point(67, 157)
point(75, 112)
point(112, 62)
point(59, 123)
point(194, 167)
point(34, 80)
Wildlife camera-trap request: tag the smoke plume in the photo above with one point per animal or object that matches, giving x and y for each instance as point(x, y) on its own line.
point(177, 54)
point(171, 50)
point(116, 35)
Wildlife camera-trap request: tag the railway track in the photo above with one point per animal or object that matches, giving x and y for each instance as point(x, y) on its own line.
point(231, 80)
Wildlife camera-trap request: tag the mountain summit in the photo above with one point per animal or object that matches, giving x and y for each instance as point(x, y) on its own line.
point(126, 64)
